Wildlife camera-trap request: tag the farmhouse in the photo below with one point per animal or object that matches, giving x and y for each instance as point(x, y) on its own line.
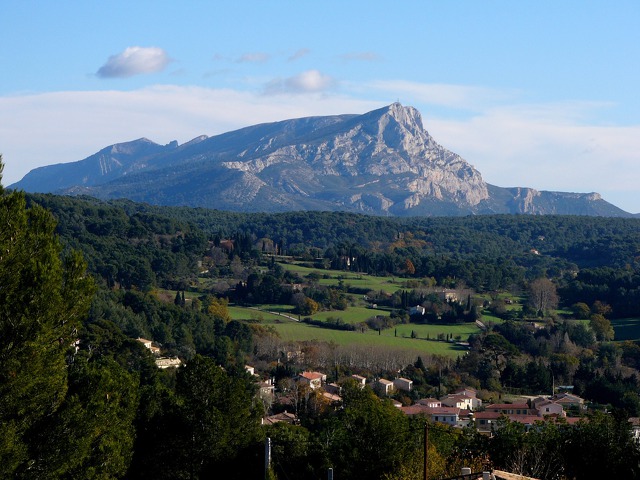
point(149, 344)
point(166, 362)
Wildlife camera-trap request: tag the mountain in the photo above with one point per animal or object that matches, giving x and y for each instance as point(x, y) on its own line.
point(382, 162)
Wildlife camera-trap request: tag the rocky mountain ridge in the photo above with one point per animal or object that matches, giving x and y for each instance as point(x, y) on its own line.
point(383, 162)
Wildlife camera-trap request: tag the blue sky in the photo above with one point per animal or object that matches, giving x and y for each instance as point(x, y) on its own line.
point(537, 94)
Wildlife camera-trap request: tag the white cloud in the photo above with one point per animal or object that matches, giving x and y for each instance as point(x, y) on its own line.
point(547, 148)
point(134, 61)
point(45, 129)
point(310, 81)
point(542, 146)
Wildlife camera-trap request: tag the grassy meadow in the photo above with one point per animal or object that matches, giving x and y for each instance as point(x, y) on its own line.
point(626, 329)
point(332, 278)
point(400, 336)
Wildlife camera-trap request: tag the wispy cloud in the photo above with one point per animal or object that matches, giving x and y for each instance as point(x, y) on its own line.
point(310, 81)
point(134, 61)
point(466, 97)
point(303, 52)
point(547, 147)
point(360, 57)
point(254, 57)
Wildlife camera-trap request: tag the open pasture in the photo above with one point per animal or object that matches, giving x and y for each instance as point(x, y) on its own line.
point(396, 337)
point(626, 329)
point(349, 279)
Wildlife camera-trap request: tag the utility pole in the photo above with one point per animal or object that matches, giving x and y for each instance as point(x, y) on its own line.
point(267, 457)
point(426, 450)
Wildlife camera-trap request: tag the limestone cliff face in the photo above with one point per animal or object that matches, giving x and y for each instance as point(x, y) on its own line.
point(383, 162)
point(390, 144)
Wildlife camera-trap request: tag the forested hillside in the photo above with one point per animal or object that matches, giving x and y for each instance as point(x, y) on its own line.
point(589, 258)
point(104, 409)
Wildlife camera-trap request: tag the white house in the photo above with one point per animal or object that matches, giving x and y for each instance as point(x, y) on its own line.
point(165, 362)
point(403, 384)
point(458, 401)
point(360, 379)
point(429, 402)
point(313, 379)
point(550, 408)
point(385, 386)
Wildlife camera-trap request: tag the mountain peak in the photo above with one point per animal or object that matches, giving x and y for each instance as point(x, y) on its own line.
point(383, 162)
point(405, 115)
point(408, 117)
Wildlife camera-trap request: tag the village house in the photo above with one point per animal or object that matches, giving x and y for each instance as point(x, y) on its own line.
point(467, 392)
point(452, 416)
point(362, 381)
point(635, 428)
point(166, 362)
point(280, 417)
point(511, 409)
point(487, 422)
point(403, 384)
point(464, 398)
point(570, 401)
point(448, 295)
point(149, 344)
point(332, 398)
point(549, 407)
point(385, 387)
point(430, 402)
point(266, 389)
point(333, 388)
point(457, 401)
point(313, 379)
point(446, 415)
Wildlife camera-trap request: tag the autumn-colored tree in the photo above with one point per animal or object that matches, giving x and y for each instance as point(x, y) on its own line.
point(601, 327)
point(409, 268)
point(601, 307)
point(219, 308)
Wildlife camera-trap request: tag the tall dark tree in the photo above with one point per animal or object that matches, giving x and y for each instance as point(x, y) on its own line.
point(42, 301)
point(219, 417)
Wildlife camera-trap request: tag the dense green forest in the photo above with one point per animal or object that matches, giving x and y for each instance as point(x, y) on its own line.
point(80, 397)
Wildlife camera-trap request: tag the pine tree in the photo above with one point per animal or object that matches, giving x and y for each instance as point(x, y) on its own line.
point(42, 300)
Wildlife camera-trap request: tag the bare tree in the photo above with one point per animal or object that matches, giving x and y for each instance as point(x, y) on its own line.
point(542, 295)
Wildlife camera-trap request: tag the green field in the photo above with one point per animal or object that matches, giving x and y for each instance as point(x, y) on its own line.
point(350, 279)
point(626, 328)
point(352, 315)
point(397, 337)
